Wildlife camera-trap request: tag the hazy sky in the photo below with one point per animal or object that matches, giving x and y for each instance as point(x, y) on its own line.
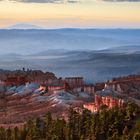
point(71, 13)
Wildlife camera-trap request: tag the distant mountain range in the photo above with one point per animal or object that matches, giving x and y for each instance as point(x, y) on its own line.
point(24, 26)
point(34, 41)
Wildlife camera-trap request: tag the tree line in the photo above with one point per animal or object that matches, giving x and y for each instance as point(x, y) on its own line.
point(114, 124)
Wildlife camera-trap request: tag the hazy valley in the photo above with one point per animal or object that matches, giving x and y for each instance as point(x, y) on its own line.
point(105, 53)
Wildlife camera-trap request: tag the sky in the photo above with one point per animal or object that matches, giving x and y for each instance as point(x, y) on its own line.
point(71, 13)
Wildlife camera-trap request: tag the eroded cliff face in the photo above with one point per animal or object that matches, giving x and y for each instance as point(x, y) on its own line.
point(23, 101)
point(128, 85)
point(18, 107)
point(20, 77)
point(25, 94)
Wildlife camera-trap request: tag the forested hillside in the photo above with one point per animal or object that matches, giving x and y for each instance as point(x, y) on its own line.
point(115, 124)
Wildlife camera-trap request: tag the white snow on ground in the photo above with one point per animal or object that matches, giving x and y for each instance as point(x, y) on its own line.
point(2, 89)
point(23, 89)
point(63, 98)
point(57, 97)
point(83, 94)
point(12, 89)
point(41, 98)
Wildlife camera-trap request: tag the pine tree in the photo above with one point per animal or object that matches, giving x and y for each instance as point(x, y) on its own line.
point(2, 134)
point(48, 126)
point(74, 123)
point(16, 133)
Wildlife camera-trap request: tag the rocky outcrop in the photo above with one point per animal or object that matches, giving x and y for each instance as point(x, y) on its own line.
point(20, 77)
